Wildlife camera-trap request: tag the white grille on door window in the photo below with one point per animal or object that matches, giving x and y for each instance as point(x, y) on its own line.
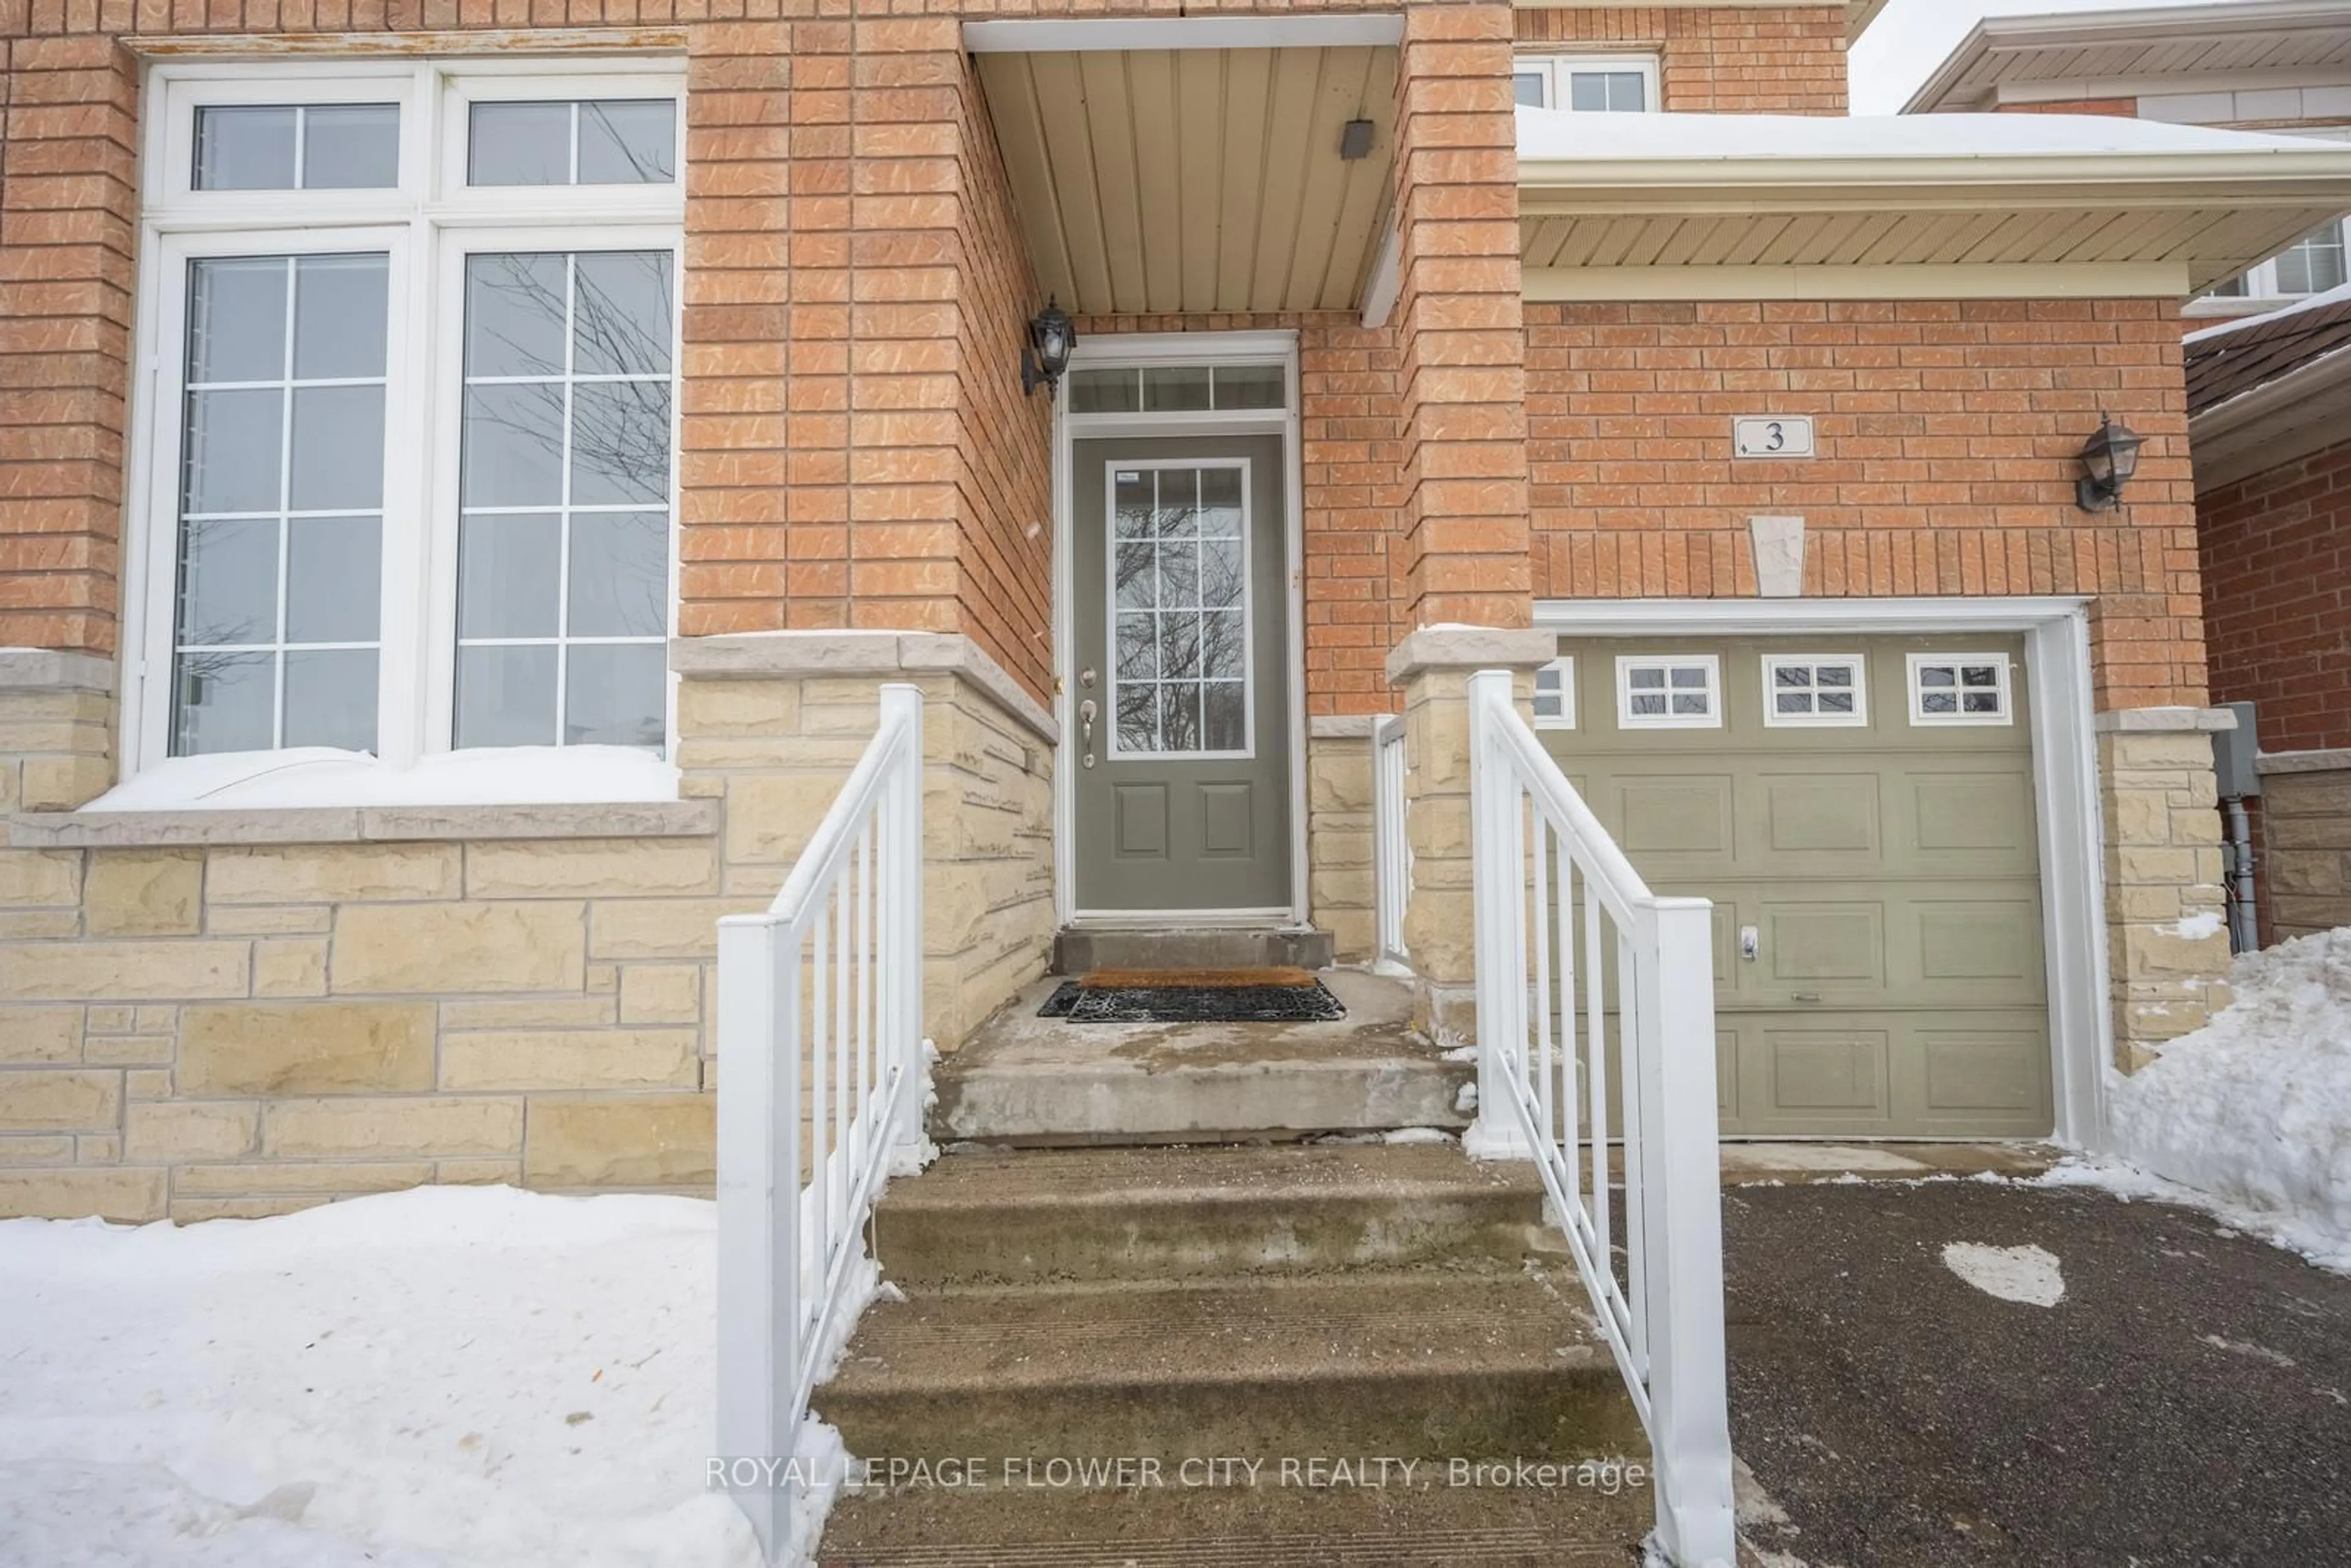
point(1656, 692)
point(1180, 604)
point(1813, 689)
point(1959, 688)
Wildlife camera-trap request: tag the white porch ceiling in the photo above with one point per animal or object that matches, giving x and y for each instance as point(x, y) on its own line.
point(1197, 179)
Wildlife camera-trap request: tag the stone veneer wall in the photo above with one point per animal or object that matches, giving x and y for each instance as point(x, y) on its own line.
point(238, 1013)
point(2305, 840)
point(2163, 868)
point(1339, 877)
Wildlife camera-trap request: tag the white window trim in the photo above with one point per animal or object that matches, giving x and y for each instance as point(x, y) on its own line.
point(1557, 68)
point(2262, 290)
point(1914, 662)
point(426, 227)
point(1774, 719)
point(1566, 718)
point(1710, 719)
point(1114, 750)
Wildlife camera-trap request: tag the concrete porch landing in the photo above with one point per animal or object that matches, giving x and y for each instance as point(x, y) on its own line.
point(1026, 1081)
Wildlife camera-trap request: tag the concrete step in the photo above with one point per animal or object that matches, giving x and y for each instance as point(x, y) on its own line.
point(1029, 1082)
point(1080, 952)
point(1093, 1216)
point(1418, 1365)
point(1426, 1524)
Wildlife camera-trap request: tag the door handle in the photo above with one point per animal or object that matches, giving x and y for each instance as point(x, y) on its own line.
point(1750, 942)
point(1086, 712)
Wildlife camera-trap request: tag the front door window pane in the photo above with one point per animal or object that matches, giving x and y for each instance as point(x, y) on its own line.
point(281, 493)
point(564, 482)
point(1179, 666)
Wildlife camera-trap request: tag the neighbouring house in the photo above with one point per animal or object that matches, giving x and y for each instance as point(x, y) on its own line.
point(2268, 402)
point(465, 482)
point(2276, 65)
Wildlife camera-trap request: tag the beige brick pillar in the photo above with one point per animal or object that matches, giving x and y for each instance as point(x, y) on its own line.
point(1434, 665)
point(2167, 931)
point(57, 733)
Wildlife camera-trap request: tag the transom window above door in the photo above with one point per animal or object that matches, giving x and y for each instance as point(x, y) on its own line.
point(1587, 84)
point(1179, 591)
point(1178, 389)
point(409, 468)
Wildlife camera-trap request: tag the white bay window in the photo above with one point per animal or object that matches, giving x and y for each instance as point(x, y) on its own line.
point(406, 436)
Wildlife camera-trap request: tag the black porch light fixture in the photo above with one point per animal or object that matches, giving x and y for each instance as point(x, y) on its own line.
point(1051, 336)
point(2109, 460)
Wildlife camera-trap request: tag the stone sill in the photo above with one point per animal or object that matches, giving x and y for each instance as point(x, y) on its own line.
point(360, 824)
point(2332, 760)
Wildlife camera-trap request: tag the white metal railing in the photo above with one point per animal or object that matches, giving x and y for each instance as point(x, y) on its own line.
point(1595, 1025)
point(1391, 848)
point(822, 1068)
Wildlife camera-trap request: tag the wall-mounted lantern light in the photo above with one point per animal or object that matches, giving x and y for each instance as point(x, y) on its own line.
point(2109, 460)
point(1051, 336)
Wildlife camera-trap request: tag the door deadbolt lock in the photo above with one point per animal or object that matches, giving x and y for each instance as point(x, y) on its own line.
point(1086, 679)
point(1750, 942)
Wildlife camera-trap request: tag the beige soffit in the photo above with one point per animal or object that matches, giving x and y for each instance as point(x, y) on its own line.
point(2004, 192)
point(1193, 165)
point(2165, 48)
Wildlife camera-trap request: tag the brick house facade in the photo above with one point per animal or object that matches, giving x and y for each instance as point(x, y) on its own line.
point(238, 1005)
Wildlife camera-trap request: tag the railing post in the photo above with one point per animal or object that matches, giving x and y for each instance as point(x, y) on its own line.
point(1498, 905)
point(1681, 1219)
point(758, 1209)
point(901, 813)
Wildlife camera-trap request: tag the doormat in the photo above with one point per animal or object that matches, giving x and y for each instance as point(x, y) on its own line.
point(1194, 995)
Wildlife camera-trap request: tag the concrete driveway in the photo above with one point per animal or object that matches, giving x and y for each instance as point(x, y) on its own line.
point(2186, 1401)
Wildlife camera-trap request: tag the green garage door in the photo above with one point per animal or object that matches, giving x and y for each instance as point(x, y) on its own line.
point(1860, 810)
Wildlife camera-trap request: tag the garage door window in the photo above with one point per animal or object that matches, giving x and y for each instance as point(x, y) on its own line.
point(1959, 688)
point(1813, 689)
point(1684, 693)
point(1555, 695)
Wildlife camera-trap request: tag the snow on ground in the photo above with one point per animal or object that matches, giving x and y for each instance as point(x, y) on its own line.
point(2028, 1275)
point(2253, 1111)
point(450, 1376)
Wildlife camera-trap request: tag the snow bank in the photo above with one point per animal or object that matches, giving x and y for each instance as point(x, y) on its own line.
point(2254, 1109)
point(448, 1375)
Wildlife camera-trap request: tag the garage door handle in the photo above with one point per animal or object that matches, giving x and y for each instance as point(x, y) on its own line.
point(1808, 996)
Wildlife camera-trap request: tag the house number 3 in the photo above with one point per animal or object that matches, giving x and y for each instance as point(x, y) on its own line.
point(1766, 436)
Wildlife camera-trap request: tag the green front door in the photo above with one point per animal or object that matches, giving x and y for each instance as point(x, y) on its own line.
point(1181, 681)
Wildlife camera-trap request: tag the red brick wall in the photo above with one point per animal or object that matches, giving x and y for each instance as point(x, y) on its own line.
point(1731, 60)
point(1459, 325)
point(1946, 436)
point(2122, 107)
point(2277, 598)
point(67, 238)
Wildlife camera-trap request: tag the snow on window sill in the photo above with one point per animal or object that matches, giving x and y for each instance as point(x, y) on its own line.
point(319, 795)
point(322, 776)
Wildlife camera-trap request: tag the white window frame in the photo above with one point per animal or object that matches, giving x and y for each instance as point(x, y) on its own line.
point(1557, 70)
point(2262, 285)
point(1772, 663)
point(1914, 662)
point(1710, 719)
point(1565, 718)
point(1115, 749)
point(426, 227)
